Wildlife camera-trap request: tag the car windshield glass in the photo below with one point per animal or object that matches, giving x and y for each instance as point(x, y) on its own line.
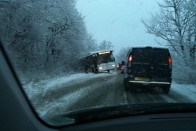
point(104, 58)
point(94, 57)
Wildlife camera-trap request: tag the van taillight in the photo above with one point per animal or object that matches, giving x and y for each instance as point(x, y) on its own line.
point(170, 60)
point(130, 58)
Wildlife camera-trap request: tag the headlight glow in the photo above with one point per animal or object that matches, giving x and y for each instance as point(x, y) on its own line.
point(100, 68)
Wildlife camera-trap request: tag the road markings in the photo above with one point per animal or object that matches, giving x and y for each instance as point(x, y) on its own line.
point(167, 98)
point(125, 97)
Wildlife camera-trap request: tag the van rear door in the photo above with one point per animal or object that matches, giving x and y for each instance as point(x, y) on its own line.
point(150, 64)
point(140, 63)
point(160, 64)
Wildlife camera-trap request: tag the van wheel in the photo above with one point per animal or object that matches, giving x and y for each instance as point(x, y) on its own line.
point(166, 89)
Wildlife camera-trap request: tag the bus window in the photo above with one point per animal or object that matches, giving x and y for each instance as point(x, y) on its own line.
point(104, 58)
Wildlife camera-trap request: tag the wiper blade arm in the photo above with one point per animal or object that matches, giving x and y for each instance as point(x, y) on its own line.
point(105, 112)
point(60, 120)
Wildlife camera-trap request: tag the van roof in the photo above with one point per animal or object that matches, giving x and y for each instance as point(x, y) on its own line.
point(149, 47)
point(131, 49)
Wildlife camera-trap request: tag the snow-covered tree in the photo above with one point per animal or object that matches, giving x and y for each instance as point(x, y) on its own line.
point(191, 35)
point(175, 23)
point(104, 45)
point(90, 43)
point(122, 55)
point(43, 37)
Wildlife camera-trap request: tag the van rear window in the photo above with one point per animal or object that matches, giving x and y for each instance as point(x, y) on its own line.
point(141, 55)
point(150, 55)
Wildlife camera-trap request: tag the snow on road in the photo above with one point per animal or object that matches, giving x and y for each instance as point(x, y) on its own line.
point(67, 100)
point(34, 88)
point(185, 90)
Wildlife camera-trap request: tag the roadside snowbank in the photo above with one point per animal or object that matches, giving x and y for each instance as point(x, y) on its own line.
point(186, 90)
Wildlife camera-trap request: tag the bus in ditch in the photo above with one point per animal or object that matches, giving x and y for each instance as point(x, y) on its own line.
point(99, 61)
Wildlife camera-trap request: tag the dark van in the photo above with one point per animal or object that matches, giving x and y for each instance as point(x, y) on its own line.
point(148, 66)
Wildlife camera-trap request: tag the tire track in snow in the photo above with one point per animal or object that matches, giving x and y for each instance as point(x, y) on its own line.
point(52, 95)
point(175, 97)
point(97, 93)
point(144, 95)
point(105, 93)
point(149, 95)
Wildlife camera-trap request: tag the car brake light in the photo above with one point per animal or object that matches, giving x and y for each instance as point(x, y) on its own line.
point(130, 58)
point(169, 60)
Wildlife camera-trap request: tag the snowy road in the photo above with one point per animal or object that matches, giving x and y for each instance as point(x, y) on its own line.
point(101, 90)
point(89, 90)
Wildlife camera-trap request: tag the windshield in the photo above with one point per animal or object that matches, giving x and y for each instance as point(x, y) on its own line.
point(49, 44)
point(105, 58)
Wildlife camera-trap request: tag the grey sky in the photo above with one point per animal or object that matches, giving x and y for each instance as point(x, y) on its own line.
point(118, 21)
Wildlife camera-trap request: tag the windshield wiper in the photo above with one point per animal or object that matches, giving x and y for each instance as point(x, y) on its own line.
point(59, 120)
point(108, 112)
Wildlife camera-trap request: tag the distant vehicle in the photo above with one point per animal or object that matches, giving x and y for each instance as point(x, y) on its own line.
point(121, 66)
point(118, 66)
point(148, 66)
point(99, 61)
